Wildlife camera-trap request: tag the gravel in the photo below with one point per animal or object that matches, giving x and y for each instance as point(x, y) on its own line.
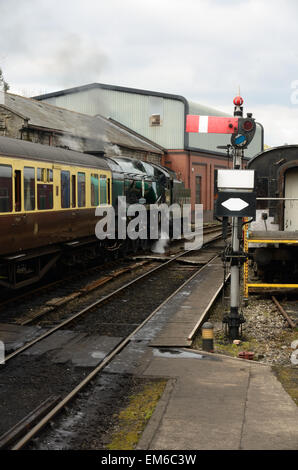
point(269, 330)
point(265, 331)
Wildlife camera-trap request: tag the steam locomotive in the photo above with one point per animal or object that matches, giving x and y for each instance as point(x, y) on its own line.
point(48, 198)
point(273, 236)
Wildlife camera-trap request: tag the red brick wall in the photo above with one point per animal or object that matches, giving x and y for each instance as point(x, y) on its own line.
point(188, 165)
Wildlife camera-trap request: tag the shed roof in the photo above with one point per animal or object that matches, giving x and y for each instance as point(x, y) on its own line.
point(195, 107)
point(96, 129)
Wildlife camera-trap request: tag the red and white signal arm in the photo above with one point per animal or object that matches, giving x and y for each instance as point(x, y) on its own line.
point(211, 124)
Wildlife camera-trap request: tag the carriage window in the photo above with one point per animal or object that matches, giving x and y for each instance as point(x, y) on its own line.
point(17, 190)
point(94, 190)
point(81, 190)
point(103, 189)
point(49, 176)
point(29, 188)
point(45, 175)
point(39, 174)
point(5, 188)
point(65, 189)
point(44, 196)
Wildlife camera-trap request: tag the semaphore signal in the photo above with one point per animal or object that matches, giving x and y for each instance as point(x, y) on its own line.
point(236, 197)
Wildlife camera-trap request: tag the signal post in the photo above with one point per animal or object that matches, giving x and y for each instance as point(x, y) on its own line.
point(235, 197)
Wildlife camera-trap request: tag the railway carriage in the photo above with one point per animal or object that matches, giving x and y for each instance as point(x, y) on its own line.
point(273, 236)
point(48, 197)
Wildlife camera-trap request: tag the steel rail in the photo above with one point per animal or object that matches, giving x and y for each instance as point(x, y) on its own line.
point(54, 411)
point(52, 284)
point(283, 312)
point(93, 305)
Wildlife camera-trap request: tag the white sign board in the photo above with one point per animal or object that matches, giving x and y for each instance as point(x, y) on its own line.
point(235, 179)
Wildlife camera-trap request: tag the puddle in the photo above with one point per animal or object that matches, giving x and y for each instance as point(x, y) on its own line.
point(170, 353)
point(98, 355)
point(180, 354)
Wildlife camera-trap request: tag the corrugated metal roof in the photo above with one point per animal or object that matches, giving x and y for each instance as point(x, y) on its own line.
point(105, 86)
point(97, 129)
point(200, 109)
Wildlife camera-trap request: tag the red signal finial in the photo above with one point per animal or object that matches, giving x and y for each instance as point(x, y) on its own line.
point(238, 101)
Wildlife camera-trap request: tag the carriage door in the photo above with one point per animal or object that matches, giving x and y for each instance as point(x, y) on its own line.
point(291, 207)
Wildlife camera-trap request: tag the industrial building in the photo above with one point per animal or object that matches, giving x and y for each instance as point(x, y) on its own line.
point(160, 117)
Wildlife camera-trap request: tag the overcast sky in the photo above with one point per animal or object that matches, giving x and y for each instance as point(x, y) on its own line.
point(201, 49)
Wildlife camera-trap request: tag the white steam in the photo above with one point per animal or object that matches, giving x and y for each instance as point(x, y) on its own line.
point(160, 246)
point(112, 150)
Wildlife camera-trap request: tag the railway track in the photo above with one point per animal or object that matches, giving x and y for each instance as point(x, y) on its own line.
point(95, 304)
point(284, 313)
point(15, 298)
point(56, 407)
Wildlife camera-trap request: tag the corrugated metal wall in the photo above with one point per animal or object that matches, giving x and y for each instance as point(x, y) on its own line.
point(133, 110)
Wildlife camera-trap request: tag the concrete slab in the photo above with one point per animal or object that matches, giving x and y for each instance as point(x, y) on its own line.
point(79, 348)
point(219, 404)
point(187, 435)
point(56, 341)
point(15, 336)
point(271, 417)
point(88, 351)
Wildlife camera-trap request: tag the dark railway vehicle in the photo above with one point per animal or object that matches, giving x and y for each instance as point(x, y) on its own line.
point(48, 198)
point(273, 236)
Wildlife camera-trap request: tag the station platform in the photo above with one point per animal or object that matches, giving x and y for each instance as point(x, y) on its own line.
point(211, 401)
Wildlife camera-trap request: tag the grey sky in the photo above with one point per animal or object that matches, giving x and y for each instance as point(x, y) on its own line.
point(201, 49)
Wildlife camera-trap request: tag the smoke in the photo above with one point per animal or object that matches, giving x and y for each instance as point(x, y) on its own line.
point(77, 61)
point(112, 150)
point(84, 138)
point(73, 143)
